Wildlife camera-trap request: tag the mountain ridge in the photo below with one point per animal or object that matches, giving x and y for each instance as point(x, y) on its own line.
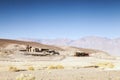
point(112, 46)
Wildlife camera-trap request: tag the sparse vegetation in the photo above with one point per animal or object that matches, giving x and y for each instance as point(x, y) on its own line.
point(105, 65)
point(59, 66)
point(31, 68)
point(51, 67)
point(16, 61)
point(55, 67)
point(13, 69)
point(25, 77)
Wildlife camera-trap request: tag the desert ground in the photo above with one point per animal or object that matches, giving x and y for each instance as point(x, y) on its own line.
point(16, 65)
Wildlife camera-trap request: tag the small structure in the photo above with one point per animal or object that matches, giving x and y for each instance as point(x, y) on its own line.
point(23, 50)
point(39, 52)
point(81, 54)
point(28, 48)
point(52, 52)
point(56, 53)
point(44, 50)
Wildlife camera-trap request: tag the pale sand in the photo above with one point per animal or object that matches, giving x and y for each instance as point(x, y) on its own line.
point(72, 74)
point(73, 69)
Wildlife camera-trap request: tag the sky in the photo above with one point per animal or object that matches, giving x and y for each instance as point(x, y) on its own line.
point(50, 19)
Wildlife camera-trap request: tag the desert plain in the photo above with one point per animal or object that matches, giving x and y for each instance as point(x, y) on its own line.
point(16, 63)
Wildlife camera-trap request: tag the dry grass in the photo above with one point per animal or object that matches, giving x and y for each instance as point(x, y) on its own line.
point(13, 69)
point(105, 65)
point(55, 67)
point(31, 68)
point(59, 66)
point(51, 67)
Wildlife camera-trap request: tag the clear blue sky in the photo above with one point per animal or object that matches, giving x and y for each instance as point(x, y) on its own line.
point(59, 18)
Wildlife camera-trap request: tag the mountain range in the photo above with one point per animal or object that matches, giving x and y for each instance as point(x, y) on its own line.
point(111, 46)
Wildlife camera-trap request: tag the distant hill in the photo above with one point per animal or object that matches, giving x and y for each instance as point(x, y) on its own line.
point(111, 46)
point(8, 47)
point(6, 42)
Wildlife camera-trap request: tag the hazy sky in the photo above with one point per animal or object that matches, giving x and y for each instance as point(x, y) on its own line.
point(59, 18)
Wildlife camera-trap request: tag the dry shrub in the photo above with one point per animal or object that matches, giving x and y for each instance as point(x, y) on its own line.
point(51, 67)
point(105, 65)
point(55, 67)
point(13, 69)
point(59, 67)
point(25, 77)
point(31, 68)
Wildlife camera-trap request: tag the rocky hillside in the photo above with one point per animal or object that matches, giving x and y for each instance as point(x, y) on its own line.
point(112, 46)
point(8, 47)
point(6, 42)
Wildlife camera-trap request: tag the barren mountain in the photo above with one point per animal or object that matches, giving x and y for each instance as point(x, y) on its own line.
point(13, 45)
point(6, 42)
point(111, 46)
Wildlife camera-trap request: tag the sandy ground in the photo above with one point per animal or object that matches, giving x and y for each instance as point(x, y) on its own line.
point(70, 74)
point(98, 66)
point(75, 68)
